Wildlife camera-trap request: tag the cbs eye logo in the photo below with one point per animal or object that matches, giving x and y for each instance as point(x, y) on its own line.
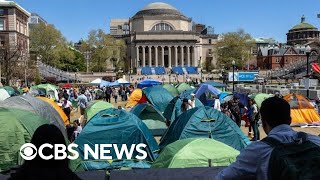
point(28, 151)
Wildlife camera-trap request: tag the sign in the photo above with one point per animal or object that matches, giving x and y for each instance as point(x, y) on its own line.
point(243, 76)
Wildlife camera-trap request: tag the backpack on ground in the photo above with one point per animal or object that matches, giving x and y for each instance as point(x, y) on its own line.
point(297, 160)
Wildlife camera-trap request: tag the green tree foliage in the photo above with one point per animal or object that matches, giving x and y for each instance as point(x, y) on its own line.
point(106, 51)
point(234, 46)
point(48, 44)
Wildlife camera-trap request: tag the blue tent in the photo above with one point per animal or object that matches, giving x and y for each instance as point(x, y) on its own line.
point(243, 98)
point(104, 83)
point(158, 96)
point(173, 110)
point(205, 122)
point(152, 117)
point(115, 126)
point(115, 83)
point(201, 93)
point(148, 83)
point(223, 95)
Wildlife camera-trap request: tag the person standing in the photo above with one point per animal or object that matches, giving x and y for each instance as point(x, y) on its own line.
point(192, 101)
point(67, 107)
point(82, 102)
point(217, 104)
point(108, 94)
point(254, 118)
point(115, 95)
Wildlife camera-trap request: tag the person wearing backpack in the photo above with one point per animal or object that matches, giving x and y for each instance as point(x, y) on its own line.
point(283, 154)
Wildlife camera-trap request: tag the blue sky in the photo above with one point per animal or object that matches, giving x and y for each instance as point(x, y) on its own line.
point(260, 18)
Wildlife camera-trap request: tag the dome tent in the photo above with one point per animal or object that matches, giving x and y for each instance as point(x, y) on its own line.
point(37, 106)
point(195, 152)
point(183, 87)
point(115, 126)
point(205, 122)
point(158, 96)
point(152, 118)
point(203, 90)
point(4, 94)
point(302, 112)
point(171, 89)
point(96, 106)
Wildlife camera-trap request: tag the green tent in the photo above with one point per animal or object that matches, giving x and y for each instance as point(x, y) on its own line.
point(95, 107)
point(10, 90)
point(48, 87)
point(183, 87)
point(172, 90)
point(158, 96)
point(17, 128)
point(195, 152)
point(259, 98)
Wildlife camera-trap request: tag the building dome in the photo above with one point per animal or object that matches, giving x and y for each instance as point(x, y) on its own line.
point(303, 25)
point(158, 8)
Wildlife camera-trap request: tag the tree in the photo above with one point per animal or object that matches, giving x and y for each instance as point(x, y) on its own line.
point(234, 46)
point(12, 58)
point(106, 52)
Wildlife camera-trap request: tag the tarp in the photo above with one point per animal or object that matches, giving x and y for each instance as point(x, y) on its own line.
point(195, 152)
point(302, 112)
point(115, 83)
point(104, 84)
point(148, 83)
point(171, 89)
point(17, 128)
point(115, 126)
point(3, 94)
point(122, 81)
point(95, 107)
point(57, 108)
point(136, 97)
point(96, 81)
point(173, 110)
point(205, 122)
point(38, 107)
point(152, 118)
point(183, 87)
point(203, 90)
point(158, 96)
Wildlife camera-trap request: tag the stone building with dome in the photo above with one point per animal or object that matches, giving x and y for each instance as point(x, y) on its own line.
point(160, 38)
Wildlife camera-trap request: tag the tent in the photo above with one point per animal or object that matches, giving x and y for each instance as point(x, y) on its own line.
point(96, 106)
point(67, 86)
point(158, 96)
point(17, 128)
point(171, 89)
point(10, 90)
point(38, 107)
point(104, 84)
point(96, 81)
point(203, 90)
point(152, 117)
point(4, 94)
point(148, 83)
point(302, 112)
point(205, 122)
point(115, 126)
point(123, 81)
point(51, 90)
point(259, 98)
point(216, 84)
point(115, 83)
point(173, 109)
point(183, 87)
point(136, 97)
point(57, 108)
point(195, 152)
point(225, 97)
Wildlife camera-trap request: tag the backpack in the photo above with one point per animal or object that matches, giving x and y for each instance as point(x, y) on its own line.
point(297, 160)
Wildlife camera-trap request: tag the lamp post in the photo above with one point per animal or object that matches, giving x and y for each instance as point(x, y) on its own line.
point(233, 67)
point(308, 52)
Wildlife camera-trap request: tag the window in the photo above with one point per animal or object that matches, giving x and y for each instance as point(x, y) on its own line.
point(1, 12)
point(162, 27)
point(2, 25)
point(210, 41)
point(2, 41)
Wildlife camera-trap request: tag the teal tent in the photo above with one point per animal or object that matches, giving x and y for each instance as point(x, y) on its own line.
point(171, 89)
point(183, 87)
point(158, 96)
point(152, 117)
point(115, 126)
point(205, 122)
point(195, 152)
point(173, 109)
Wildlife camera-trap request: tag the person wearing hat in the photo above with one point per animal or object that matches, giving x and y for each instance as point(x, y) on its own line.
point(192, 101)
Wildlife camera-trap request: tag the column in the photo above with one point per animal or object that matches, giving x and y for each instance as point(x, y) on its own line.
point(182, 56)
point(143, 56)
point(149, 52)
point(169, 56)
point(176, 55)
point(195, 57)
point(137, 56)
point(162, 56)
point(156, 52)
point(188, 55)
